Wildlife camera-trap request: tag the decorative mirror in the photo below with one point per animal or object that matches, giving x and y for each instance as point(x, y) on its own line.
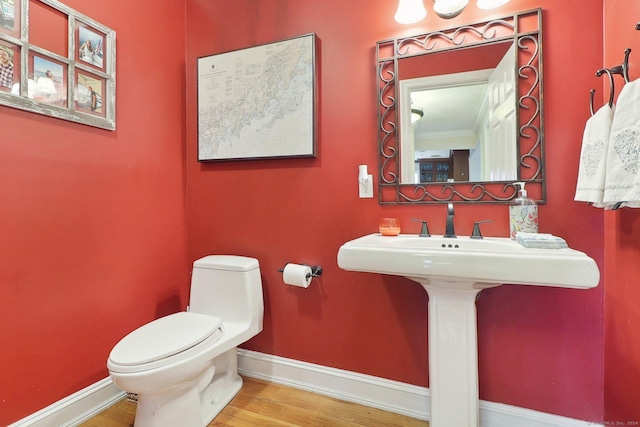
point(460, 113)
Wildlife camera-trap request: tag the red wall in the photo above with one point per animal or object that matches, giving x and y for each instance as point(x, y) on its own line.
point(92, 223)
point(539, 348)
point(622, 233)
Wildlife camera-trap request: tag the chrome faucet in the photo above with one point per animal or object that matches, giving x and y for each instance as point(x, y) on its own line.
point(450, 230)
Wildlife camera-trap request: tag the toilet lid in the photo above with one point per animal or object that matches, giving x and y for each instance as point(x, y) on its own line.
point(164, 337)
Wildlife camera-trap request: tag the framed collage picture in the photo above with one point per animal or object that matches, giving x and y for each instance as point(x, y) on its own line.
point(65, 69)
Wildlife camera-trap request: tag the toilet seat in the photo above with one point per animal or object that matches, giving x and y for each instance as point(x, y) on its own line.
point(165, 341)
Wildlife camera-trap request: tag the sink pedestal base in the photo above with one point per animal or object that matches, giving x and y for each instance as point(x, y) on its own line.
point(453, 351)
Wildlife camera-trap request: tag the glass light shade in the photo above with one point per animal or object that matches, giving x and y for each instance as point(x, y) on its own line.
point(491, 4)
point(449, 8)
point(410, 11)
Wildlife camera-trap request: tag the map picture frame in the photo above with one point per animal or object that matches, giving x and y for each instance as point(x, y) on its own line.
point(259, 102)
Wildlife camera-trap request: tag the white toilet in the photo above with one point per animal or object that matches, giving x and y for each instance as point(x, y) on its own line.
point(184, 366)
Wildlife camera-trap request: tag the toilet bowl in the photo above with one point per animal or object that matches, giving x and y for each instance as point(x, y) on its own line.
point(183, 367)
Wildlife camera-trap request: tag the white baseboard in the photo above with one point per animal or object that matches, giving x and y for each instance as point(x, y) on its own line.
point(375, 392)
point(392, 396)
point(76, 408)
point(383, 394)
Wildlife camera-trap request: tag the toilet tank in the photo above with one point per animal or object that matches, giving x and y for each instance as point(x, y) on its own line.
point(228, 287)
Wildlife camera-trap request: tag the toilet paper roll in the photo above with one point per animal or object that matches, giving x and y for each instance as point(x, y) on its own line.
point(297, 275)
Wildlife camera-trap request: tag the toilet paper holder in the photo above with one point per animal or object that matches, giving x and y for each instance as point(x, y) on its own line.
point(316, 270)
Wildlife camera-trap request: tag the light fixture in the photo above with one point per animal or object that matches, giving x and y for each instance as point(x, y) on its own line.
point(449, 8)
point(416, 114)
point(491, 4)
point(410, 11)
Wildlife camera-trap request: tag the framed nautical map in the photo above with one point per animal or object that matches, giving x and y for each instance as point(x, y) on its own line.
point(258, 103)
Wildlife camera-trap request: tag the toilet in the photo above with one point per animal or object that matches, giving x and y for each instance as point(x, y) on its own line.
point(184, 366)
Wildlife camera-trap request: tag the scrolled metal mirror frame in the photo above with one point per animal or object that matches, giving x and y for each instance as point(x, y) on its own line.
point(525, 29)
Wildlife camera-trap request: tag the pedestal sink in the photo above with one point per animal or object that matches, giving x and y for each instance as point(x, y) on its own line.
point(453, 271)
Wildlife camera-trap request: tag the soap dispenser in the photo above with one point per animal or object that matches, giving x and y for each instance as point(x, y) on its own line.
point(523, 213)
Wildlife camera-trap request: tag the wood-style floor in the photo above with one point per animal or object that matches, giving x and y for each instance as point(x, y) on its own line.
point(266, 404)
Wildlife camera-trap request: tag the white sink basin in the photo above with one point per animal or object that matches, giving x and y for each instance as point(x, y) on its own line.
point(494, 260)
point(453, 271)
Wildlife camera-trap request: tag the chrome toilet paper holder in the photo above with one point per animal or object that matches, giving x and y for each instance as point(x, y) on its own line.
point(316, 270)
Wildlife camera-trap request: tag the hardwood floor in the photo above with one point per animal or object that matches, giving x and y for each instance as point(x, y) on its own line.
point(261, 403)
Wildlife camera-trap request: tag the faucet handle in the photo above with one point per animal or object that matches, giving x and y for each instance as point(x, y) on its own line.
point(424, 232)
point(476, 229)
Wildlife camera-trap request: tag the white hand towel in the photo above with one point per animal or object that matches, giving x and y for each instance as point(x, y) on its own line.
point(622, 182)
point(593, 157)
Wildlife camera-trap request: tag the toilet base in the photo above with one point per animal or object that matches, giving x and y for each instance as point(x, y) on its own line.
point(197, 406)
point(212, 409)
point(224, 386)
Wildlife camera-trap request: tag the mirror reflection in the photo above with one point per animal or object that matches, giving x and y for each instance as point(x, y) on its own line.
point(460, 126)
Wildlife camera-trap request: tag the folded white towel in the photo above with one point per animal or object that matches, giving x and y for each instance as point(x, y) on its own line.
point(622, 181)
point(541, 241)
point(593, 157)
